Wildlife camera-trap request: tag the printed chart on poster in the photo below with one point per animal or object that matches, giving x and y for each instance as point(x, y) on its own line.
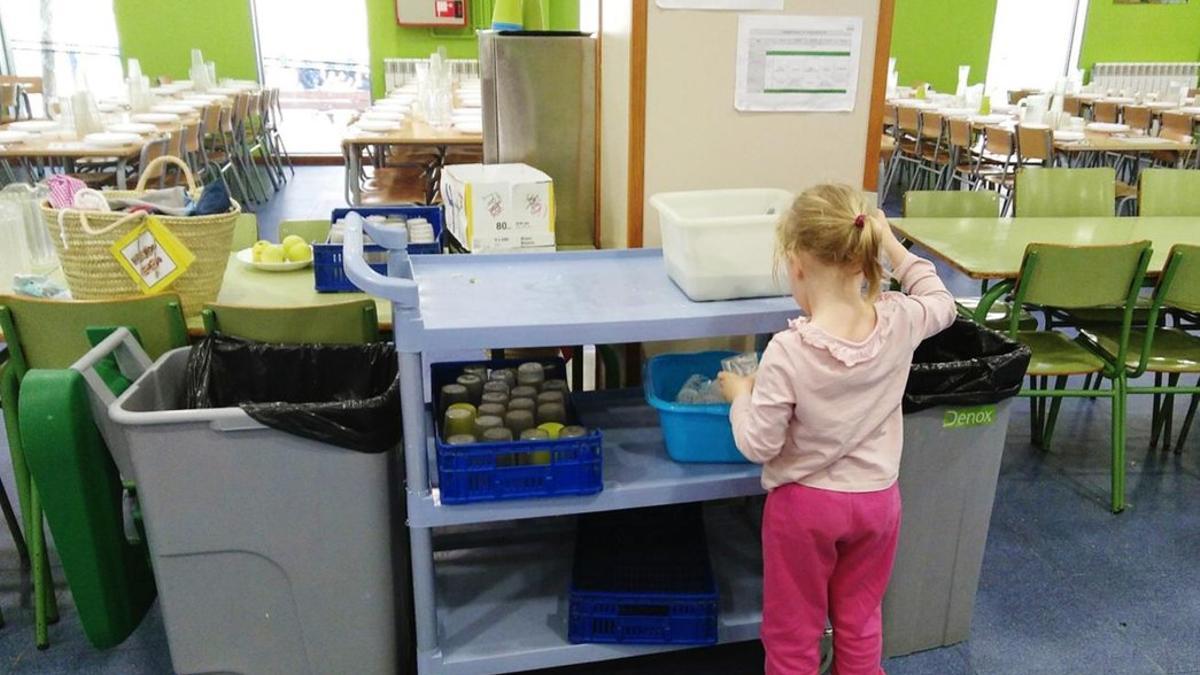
point(797, 63)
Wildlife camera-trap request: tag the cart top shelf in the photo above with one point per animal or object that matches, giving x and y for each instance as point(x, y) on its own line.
point(593, 297)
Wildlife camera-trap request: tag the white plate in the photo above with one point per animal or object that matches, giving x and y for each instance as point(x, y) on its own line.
point(392, 104)
point(1069, 136)
point(155, 118)
point(34, 126)
point(472, 104)
point(246, 257)
point(207, 97)
point(1117, 99)
point(111, 139)
point(226, 91)
point(990, 119)
point(133, 128)
point(384, 115)
point(1107, 127)
point(913, 103)
point(1190, 110)
point(11, 137)
point(469, 127)
point(378, 125)
point(1160, 105)
point(163, 90)
point(958, 112)
point(173, 108)
point(107, 107)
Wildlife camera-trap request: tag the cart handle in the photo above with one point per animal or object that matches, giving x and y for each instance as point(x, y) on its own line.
point(131, 359)
point(401, 292)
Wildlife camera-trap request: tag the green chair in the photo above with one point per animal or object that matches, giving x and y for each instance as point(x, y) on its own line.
point(353, 322)
point(1168, 353)
point(1065, 193)
point(310, 230)
point(1069, 277)
point(965, 204)
point(111, 581)
point(245, 232)
point(951, 204)
point(53, 334)
point(1169, 192)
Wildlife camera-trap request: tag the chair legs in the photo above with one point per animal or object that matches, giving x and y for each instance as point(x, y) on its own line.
point(1187, 423)
point(1118, 444)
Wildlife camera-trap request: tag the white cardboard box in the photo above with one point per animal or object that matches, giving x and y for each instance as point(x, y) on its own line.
point(499, 207)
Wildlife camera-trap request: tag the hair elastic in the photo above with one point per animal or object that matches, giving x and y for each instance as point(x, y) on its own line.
point(860, 221)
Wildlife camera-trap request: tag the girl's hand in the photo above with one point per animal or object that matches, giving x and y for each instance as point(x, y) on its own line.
point(733, 385)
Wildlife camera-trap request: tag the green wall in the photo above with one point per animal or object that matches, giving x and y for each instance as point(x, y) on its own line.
point(1140, 33)
point(931, 38)
point(162, 33)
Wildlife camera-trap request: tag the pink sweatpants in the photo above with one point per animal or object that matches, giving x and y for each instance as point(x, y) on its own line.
point(826, 554)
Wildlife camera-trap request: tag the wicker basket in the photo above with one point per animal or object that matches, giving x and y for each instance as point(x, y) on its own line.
point(84, 240)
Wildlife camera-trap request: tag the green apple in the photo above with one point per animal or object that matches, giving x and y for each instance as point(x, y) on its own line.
point(256, 251)
point(292, 240)
point(273, 254)
point(297, 251)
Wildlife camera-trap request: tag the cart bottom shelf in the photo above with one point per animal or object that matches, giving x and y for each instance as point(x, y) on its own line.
point(504, 609)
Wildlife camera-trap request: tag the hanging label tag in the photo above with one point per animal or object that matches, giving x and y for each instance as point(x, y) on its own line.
point(152, 256)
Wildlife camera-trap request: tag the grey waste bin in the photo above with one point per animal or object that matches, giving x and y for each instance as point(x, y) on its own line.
point(956, 419)
point(272, 552)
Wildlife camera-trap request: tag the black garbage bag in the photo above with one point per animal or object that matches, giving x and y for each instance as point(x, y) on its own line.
point(966, 364)
point(344, 395)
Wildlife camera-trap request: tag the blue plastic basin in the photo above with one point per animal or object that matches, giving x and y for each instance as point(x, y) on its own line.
point(692, 432)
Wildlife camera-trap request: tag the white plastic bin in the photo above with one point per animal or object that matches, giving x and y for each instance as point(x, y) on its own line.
point(720, 244)
point(272, 552)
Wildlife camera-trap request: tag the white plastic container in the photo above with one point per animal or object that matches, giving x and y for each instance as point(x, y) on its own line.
point(720, 244)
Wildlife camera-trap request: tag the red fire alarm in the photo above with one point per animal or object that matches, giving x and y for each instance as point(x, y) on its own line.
point(449, 9)
point(431, 12)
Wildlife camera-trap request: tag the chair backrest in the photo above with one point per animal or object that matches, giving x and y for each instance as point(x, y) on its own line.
point(52, 333)
point(1065, 193)
point(890, 115)
point(1138, 117)
point(1015, 96)
point(951, 204)
point(1072, 105)
point(175, 142)
point(310, 230)
point(8, 95)
point(932, 124)
point(1077, 277)
point(191, 136)
point(1105, 111)
point(225, 120)
point(1177, 126)
point(212, 118)
point(1169, 192)
point(1035, 144)
point(960, 132)
point(910, 119)
point(152, 150)
point(245, 232)
point(352, 322)
point(241, 104)
point(1180, 284)
point(999, 141)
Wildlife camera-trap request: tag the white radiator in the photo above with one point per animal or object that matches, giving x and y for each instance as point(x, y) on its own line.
point(398, 72)
point(1163, 79)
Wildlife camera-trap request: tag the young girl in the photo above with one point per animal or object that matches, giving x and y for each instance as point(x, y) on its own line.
point(822, 416)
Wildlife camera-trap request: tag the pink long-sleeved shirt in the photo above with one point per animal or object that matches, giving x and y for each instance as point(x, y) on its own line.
point(825, 411)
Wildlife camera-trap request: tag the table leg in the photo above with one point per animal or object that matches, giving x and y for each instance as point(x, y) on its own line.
point(353, 167)
point(121, 182)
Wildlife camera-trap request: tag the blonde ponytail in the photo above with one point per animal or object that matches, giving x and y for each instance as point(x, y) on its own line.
point(834, 223)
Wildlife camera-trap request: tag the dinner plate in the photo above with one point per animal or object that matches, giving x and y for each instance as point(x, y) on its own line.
point(472, 103)
point(107, 107)
point(10, 137)
point(384, 115)
point(246, 257)
point(990, 119)
point(111, 139)
point(469, 127)
point(1069, 136)
point(225, 91)
point(155, 117)
point(1190, 110)
point(378, 125)
point(207, 97)
point(132, 128)
point(1108, 127)
point(173, 108)
point(1117, 99)
point(35, 126)
point(958, 112)
point(162, 90)
point(392, 104)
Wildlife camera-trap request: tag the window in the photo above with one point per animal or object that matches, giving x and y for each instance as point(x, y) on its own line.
point(68, 43)
point(316, 53)
point(1034, 43)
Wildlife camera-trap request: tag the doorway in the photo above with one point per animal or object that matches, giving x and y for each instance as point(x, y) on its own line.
point(1034, 43)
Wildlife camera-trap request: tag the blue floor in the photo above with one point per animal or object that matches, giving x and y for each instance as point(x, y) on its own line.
point(1067, 587)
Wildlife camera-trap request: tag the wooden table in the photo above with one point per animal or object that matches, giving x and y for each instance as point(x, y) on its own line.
point(993, 248)
point(412, 134)
point(42, 147)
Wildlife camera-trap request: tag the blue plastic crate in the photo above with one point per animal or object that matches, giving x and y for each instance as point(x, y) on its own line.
point(643, 576)
point(328, 275)
point(495, 471)
point(692, 432)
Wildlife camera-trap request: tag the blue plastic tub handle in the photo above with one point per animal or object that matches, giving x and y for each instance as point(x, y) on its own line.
point(402, 292)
